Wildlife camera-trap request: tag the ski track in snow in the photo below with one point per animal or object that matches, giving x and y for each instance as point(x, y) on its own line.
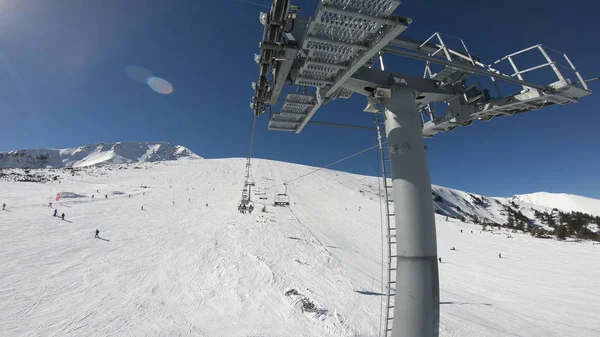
point(186, 269)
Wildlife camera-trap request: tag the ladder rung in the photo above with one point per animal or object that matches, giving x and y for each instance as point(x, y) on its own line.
point(393, 256)
point(391, 235)
point(391, 307)
point(391, 214)
point(392, 269)
point(392, 282)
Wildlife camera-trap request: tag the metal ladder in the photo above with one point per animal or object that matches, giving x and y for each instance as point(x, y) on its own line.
point(390, 275)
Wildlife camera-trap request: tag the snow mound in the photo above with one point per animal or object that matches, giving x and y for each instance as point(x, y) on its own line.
point(562, 201)
point(95, 154)
point(70, 195)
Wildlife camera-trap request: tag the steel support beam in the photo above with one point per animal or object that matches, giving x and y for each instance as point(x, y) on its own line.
point(417, 300)
point(368, 54)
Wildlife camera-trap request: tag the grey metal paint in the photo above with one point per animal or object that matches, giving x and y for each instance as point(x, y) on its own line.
point(416, 311)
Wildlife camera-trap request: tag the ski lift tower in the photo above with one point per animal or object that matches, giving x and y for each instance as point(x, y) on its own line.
point(330, 56)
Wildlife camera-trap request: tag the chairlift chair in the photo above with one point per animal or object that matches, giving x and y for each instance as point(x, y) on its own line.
point(282, 198)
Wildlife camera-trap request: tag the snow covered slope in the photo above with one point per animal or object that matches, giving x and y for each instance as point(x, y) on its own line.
point(568, 202)
point(189, 264)
point(94, 154)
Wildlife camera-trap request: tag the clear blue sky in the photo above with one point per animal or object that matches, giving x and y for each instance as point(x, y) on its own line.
point(63, 84)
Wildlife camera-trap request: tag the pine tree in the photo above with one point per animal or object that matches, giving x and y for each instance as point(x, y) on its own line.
point(511, 221)
point(561, 232)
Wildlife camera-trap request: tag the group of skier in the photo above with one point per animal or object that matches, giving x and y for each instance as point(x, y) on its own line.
point(454, 248)
point(56, 214)
point(243, 208)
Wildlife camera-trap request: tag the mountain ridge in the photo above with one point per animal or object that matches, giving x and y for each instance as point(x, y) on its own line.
point(95, 154)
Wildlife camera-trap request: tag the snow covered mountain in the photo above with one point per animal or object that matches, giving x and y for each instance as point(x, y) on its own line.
point(95, 154)
point(176, 258)
point(563, 201)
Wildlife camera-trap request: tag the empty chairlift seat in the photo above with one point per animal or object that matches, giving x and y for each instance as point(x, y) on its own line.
point(282, 199)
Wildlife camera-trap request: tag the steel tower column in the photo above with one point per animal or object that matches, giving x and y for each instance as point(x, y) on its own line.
point(417, 308)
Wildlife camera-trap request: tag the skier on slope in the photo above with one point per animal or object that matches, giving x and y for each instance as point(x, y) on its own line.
point(97, 234)
point(63, 216)
point(55, 212)
point(50, 204)
point(3, 206)
point(250, 209)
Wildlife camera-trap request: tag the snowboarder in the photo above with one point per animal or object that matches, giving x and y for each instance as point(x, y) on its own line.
point(142, 207)
point(3, 206)
point(97, 234)
point(453, 248)
point(63, 216)
point(55, 212)
point(106, 196)
point(461, 230)
point(50, 204)
point(440, 259)
point(500, 255)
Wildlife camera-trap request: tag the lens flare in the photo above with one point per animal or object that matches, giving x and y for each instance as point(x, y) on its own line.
point(138, 74)
point(160, 85)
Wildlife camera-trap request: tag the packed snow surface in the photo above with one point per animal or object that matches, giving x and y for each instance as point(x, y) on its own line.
point(94, 154)
point(189, 264)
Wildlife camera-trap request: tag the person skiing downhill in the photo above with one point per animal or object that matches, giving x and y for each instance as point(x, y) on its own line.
point(3, 206)
point(97, 234)
point(63, 216)
point(50, 204)
point(55, 212)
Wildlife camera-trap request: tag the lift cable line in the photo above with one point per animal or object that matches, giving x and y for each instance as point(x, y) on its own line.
point(360, 127)
point(329, 55)
point(329, 165)
point(252, 3)
point(248, 179)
